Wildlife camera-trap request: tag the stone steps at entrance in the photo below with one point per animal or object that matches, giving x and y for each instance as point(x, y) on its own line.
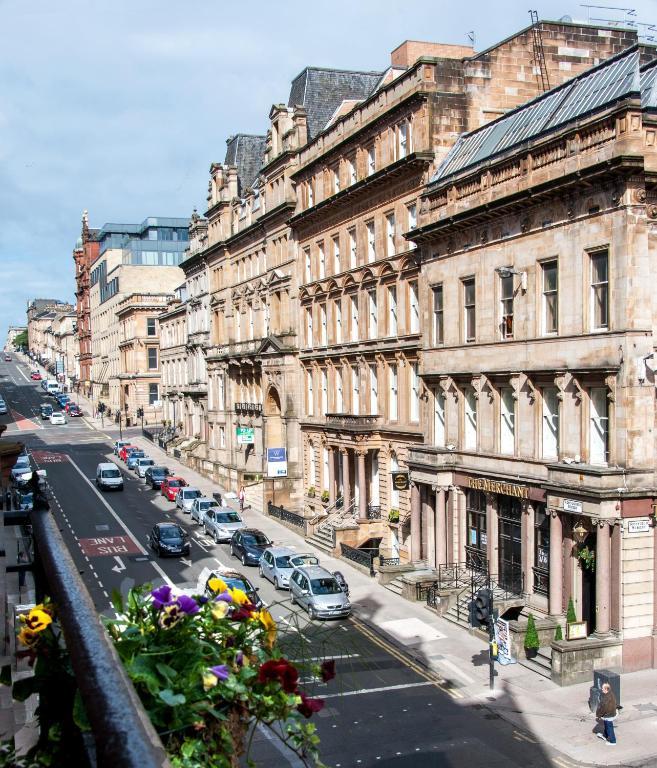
point(452, 614)
point(395, 585)
point(322, 540)
point(541, 663)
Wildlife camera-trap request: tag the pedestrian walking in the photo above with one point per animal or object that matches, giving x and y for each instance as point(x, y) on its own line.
point(242, 495)
point(607, 711)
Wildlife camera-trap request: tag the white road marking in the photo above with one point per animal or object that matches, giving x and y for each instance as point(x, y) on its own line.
point(323, 658)
point(377, 690)
point(444, 663)
point(276, 741)
point(120, 522)
point(23, 375)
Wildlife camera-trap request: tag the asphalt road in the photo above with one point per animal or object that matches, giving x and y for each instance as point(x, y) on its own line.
point(382, 709)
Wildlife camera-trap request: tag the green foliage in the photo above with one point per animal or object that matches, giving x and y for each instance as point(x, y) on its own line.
point(21, 339)
point(571, 616)
point(311, 492)
point(587, 556)
point(325, 496)
point(531, 635)
point(393, 516)
point(558, 633)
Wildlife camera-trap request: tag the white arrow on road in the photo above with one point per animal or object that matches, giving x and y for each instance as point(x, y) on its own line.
point(186, 562)
point(120, 566)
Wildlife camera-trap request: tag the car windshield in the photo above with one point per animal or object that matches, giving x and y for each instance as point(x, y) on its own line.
point(170, 533)
point(136, 454)
point(174, 483)
point(162, 471)
point(191, 494)
point(111, 473)
point(256, 540)
point(26, 498)
point(22, 461)
point(283, 561)
point(234, 582)
point(327, 586)
point(298, 560)
point(206, 504)
point(228, 517)
point(146, 462)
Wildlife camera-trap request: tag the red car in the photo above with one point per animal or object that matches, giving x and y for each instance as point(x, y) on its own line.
point(170, 487)
point(123, 453)
point(35, 376)
point(73, 409)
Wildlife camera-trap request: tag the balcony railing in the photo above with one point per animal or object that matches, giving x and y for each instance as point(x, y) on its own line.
point(349, 420)
point(121, 729)
point(248, 407)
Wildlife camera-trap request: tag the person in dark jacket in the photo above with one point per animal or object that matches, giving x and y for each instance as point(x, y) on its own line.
point(606, 711)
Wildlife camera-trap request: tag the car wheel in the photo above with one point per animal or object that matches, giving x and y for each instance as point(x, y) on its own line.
point(232, 552)
point(215, 536)
point(292, 599)
point(244, 560)
point(311, 613)
point(276, 584)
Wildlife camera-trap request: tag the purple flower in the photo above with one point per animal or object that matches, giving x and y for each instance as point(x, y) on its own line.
point(220, 671)
point(161, 596)
point(203, 600)
point(239, 658)
point(187, 604)
point(225, 596)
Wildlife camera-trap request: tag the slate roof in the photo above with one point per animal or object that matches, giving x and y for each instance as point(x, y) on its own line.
point(321, 91)
point(649, 86)
point(246, 152)
point(43, 303)
point(616, 78)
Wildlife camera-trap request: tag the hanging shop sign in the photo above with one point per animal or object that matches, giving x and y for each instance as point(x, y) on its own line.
point(276, 462)
point(496, 486)
point(400, 481)
point(245, 435)
point(569, 505)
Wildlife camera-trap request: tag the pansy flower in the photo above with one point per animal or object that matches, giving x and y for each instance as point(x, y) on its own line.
point(281, 671)
point(187, 604)
point(28, 637)
point(217, 585)
point(36, 620)
point(219, 610)
point(212, 676)
point(309, 706)
point(162, 596)
point(265, 618)
point(170, 616)
point(327, 670)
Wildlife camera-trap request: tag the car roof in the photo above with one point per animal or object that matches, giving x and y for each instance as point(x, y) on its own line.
point(277, 551)
point(107, 465)
point(253, 530)
point(159, 466)
point(206, 498)
point(167, 524)
point(228, 573)
point(188, 488)
point(314, 571)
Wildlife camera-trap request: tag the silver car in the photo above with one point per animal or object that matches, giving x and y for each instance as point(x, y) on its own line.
point(221, 523)
point(315, 589)
point(185, 498)
point(142, 465)
point(277, 564)
point(200, 506)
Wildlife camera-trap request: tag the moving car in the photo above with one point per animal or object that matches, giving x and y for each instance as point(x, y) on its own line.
point(133, 456)
point(315, 589)
point(73, 409)
point(200, 506)
point(249, 544)
point(171, 486)
point(155, 476)
point(233, 579)
point(109, 476)
point(57, 417)
point(142, 465)
point(46, 410)
point(221, 523)
point(118, 444)
point(169, 539)
point(35, 376)
point(185, 498)
point(277, 564)
point(125, 449)
point(7, 358)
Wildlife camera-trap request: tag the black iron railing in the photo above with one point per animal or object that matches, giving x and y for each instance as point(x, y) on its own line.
point(280, 513)
point(373, 512)
point(476, 559)
point(121, 728)
point(248, 407)
point(361, 556)
point(383, 561)
point(152, 433)
point(541, 581)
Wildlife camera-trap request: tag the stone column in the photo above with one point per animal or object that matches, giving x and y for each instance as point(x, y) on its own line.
point(346, 488)
point(527, 525)
point(429, 528)
point(441, 528)
point(569, 560)
point(556, 563)
point(491, 533)
point(331, 468)
point(654, 595)
point(616, 592)
point(416, 516)
point(362, 486)
point(602, 579)
point(460, 518)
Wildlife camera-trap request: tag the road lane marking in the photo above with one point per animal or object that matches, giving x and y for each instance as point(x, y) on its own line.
point(377, 690)
point(120, 521)
point(23, 375)
point(455, 670)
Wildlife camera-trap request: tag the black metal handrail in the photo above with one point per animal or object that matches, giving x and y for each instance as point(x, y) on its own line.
point(373, 512)
point(361, 556)
point(383, 561)
point(280, 513)
point(121, 728)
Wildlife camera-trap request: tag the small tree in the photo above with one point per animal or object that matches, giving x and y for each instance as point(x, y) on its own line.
point(558, 634)
point(571, 616)
point(531, 635)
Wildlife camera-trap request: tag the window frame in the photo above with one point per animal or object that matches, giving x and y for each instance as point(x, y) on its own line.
point(506, 306)
point(149, 350)
point(469, 310)
point(594, 287)
point(150, 320)
point(438, 315)
point(393, 388)
point(546, 297)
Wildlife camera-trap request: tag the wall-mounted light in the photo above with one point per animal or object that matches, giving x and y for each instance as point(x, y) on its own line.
point(508, 271)
point(579, 531)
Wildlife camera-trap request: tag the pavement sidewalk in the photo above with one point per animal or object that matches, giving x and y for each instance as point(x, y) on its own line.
point(540, 710)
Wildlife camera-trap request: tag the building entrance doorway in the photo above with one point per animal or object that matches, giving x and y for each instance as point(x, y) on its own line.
point(588, 588)
point(510, 544)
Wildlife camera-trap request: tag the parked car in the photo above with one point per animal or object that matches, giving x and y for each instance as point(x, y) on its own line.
point(155, 476)
point(221, 523)
point(200, 506)
point(35, 376)
point(133, 456)
point(169, 539)
point(62, 399)
point(57, 417)
point(21, 467)
point(3, 408)
point(171, 486)
point(22, 500)
point(249, 544)
point(277, 564)
point(142, 465)
point(118, 444)
point(232, 579)
point(7, 358)
point(109, 476)
point(123, 450)
point(316, 589)
point(46, 411)
point(185, 498)
point(73, 409)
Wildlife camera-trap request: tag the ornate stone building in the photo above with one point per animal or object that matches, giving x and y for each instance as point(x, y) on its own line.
point(85, 252)
point(537, 240)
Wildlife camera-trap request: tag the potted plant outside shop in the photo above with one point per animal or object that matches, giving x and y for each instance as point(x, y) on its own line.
point(311, 492)
point(531, 643)
point(393, 516)
point(325, 497)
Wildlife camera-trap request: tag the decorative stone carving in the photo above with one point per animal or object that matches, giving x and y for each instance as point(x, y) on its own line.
point(652, 211)
point(640, 195)
point(525, 224)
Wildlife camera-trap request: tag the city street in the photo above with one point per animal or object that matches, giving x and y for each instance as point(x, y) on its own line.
point(382, 708)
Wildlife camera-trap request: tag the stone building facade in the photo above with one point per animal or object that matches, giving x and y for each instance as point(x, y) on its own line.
point(85, 252)
point(40, 315)
point(173, 336)
point(537, 237)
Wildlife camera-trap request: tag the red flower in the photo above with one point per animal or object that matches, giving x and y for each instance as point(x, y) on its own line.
point(309, 706)
point(242, 612)
point(328, 670)
point(281, 671)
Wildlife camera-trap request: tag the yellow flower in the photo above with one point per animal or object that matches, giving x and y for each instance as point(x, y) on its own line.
point(239, 596)
point(170, 616)
point(267, 621)
point(37, 620)
point(27, 637)
point(217, 585)
point(219, 610)
point(209, 681)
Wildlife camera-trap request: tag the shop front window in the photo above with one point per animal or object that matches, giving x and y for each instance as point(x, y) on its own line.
point(510, 544)
point(477, 545)
point(541, 550)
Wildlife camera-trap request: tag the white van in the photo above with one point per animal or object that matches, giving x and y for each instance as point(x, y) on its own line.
point(52, 387)
point(109, 476)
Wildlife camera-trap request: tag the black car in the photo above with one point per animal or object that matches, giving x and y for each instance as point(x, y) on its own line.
point(235, 580)
point(249, 544)
point(169, 539)
point(46, 411)
point(155, 476)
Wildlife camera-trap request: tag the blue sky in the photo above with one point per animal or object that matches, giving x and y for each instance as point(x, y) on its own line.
point(120, 107)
